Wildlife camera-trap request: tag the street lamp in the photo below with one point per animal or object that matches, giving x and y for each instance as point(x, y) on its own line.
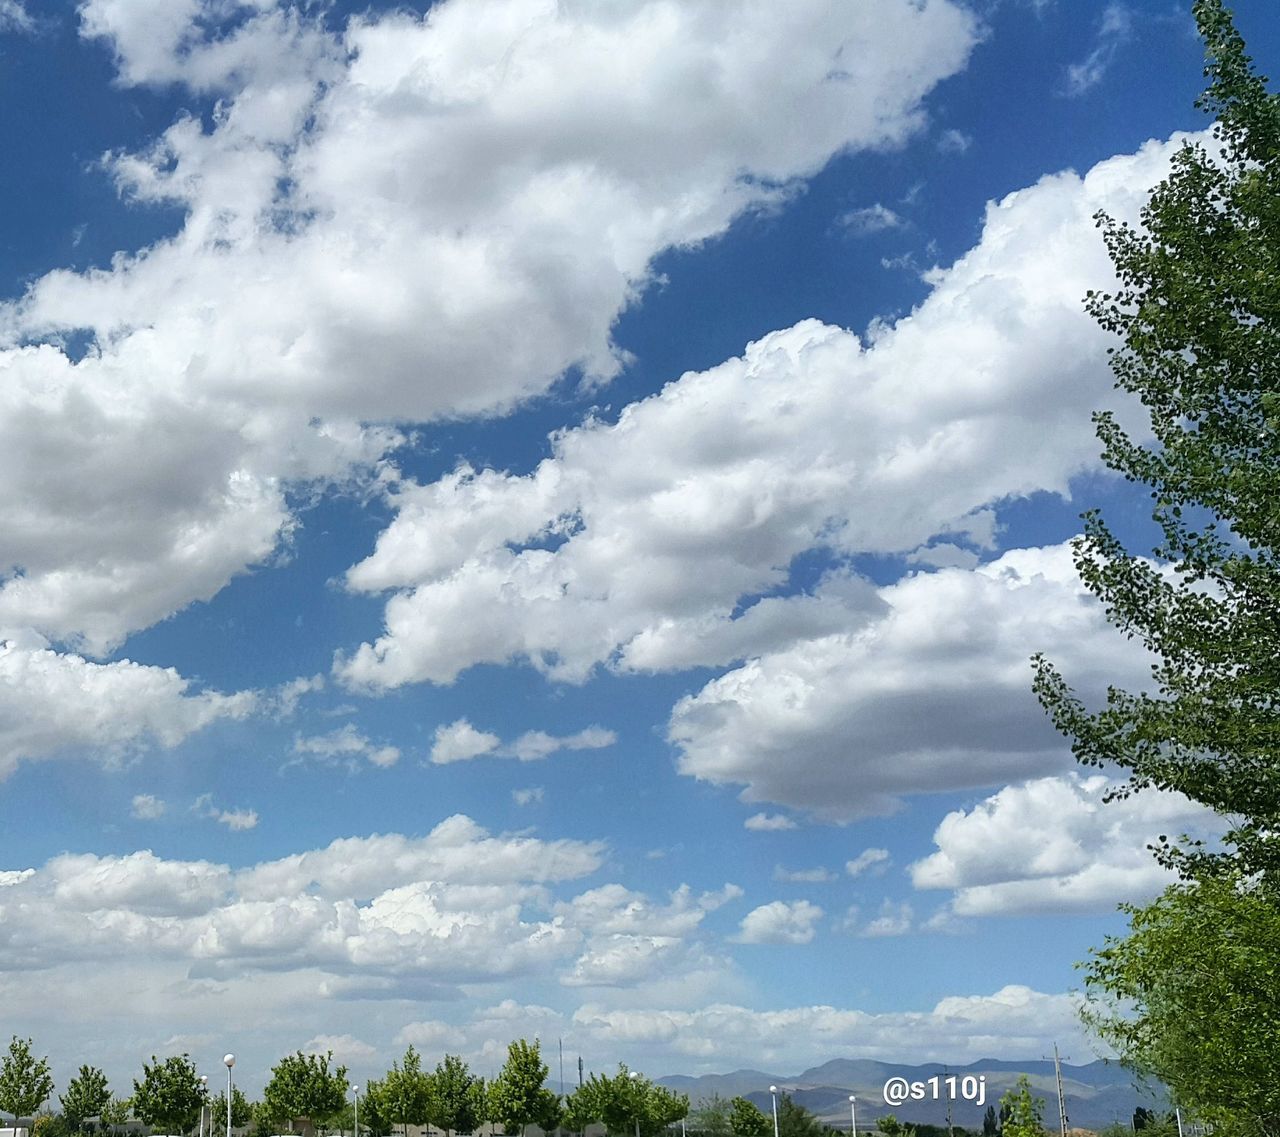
point(355, 1111)
point(635, 1076)
point(229, 1060)
point(773, 1093)
point(204, 1101)
point(853, 1115)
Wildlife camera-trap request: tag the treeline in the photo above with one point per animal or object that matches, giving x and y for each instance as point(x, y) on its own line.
point(309, 1089)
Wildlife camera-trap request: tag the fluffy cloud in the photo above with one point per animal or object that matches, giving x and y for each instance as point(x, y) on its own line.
point(768, 823)
point(844, 725)
point(869, 860)
point(460, 741)
point(453, 207)
point(1052, 845)
point(780, 922)
point(658, 541)
point(347, 742)
point(147, 807)
point(54, 703)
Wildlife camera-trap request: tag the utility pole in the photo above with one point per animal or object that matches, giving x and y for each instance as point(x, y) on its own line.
point(1062, 1101)
point(950, 1128)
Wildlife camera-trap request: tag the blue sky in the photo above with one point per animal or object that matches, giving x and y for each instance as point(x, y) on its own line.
point(531, 519)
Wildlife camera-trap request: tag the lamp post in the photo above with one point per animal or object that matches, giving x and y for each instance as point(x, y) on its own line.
point(773, 1093)
point(853, 1115)
point(355, 1111)
point(204, 1101)
point(635, 1081)
point(229, 1060)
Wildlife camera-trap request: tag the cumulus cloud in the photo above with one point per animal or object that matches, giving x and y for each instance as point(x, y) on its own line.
point(237, 820)
point(1052, 845)
point(661, 541)
point(894, 919)
point(529, 795)
point(780, 922)
point(768, 823)
point(54, 704)
point(460, 741)
point(14, 17)
point(845, 725)
point(869, 860)
point(347, 742)
point(454, 206)
point(147, 807)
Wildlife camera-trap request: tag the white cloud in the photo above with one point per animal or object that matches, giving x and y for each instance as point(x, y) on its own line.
point(347, 741)
point(237, 820)
point(768, 823)
point(54, 704)
point(817, 875)
point(529, 795)
point(460, 741)
point(780, 922)
point(1051, 845)
point(873, 219)
point(869, 860)
point(894, 919)
point(843, 726)
point(14, 17)
point(667, 541)
point(346, 1048)
point(954, 142)
point(454, 206)
point(147, 807)
point(1114, 30)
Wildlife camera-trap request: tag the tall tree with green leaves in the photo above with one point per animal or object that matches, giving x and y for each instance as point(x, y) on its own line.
point(626, 1103)
point(374, 1117)
point(1026, 1111)
point(1198, 313)
point(406, 1091)
point(518, 1096)
point(304, 1088)
point(455, 1102)
point(87, 1095)
point(241, 1109)
point(25, 1082)
point(170, 1094)
point(746, 1119)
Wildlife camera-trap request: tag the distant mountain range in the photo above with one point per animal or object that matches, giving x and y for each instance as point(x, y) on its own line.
point(1096, 1094)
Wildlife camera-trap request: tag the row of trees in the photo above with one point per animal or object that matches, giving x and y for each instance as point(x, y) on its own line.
point(308, 1088)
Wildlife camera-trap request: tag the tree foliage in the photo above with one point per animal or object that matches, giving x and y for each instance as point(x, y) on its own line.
point(517, 1096)
point(87, 1096)
point(746, 1119)
point(303, 1088)
point(711, 1117)
point(241, 1110)
point(1201, 967)
point(990, 1126)
point(1198, 310)
point(25, 1083)
point(457, 1096)
point(1026, 1111)
point(170, 1094)
point(374, 1116)
point(406, 1091)
point(627, 1103)
point(796, 1121)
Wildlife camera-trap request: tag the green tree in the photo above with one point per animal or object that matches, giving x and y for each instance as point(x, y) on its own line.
point(796, 1121)
point(517, 1096)
point(746, 1119)
point(303, 1088)
point(1198, 310)
point(625, 1103)
point(711, 1117)
point(170, 1094)
point(990, 1126)
point(1192, 997)
point(87, 1095)
point(374, 1118)
point(406, 1091)
point(1026, 1111)
point(241, 1110)
point(25, 1082)
point(455, 1104)
point(890, 1126)
point(116, 1112)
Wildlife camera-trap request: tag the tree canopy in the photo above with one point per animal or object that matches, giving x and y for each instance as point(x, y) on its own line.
point(87, 1095)
point(1198, 312)
point(302, 1087)
point(517, 1096)
point(627, 1103)
point(25, 1082)
point(170, 1094)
